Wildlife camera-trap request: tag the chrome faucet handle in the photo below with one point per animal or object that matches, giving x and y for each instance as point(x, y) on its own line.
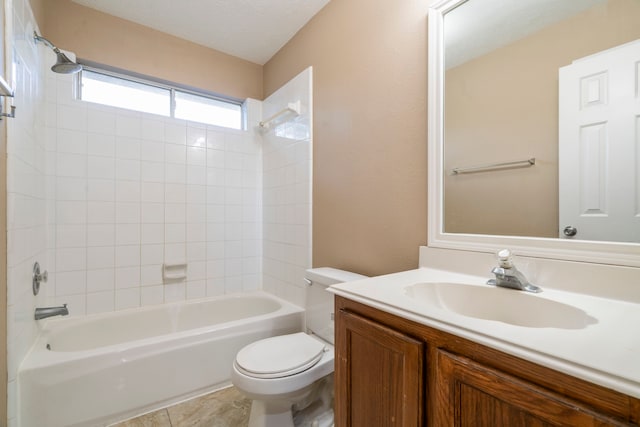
point(37, 278)
point(508, 276)
point(504, 258)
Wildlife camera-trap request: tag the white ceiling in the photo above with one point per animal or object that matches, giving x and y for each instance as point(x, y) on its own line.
point(249, 29)
point(479, 26)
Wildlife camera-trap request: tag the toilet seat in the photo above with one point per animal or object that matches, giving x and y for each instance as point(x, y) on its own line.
point(280, 356)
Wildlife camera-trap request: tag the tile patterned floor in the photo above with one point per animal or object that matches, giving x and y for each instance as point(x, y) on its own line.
point(224, 408)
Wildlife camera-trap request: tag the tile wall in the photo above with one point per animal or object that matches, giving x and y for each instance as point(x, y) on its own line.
point(287, 190)
point(26, 190)
point(133, 191)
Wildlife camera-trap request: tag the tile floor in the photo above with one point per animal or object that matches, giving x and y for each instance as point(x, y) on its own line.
point(223, 408)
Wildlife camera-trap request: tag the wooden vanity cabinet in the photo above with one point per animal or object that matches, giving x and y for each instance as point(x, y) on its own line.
point(390, 371)
point(380, 376)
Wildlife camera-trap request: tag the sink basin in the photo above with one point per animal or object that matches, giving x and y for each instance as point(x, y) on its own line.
point(502, 305)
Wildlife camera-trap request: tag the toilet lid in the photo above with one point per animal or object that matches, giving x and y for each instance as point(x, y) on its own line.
point(280, 356)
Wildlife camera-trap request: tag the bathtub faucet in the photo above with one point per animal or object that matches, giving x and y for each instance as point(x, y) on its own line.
point(44, 312)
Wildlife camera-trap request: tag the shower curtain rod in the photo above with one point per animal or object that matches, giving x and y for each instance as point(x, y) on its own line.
point(292, 107)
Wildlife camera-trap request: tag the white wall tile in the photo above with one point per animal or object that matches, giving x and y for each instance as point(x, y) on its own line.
point(152, 171)
point(151, 275)
point(100, 212)
point(174, 292)
point(151, 254)
point(196, 289)
point(196, 156)
point(100, 302)
point(197, 175)
point(127, 169)
point(71, 235)
point(101, 257)
point(127, 256)
point(127, 234)
point(101, 122)
point(128, 148)
point(70, 212)
point(175, 193)
point(196, 136)
point(100, 280)
point(153, 213)
point(127, 277)
point(152, 151)
point(152, 129)
point(99, 190)
point(101, 167)
point(127, 191)
point(71, 165)
point(175, 132)
point(175, 253)
point(153, 234)
point(70, 259)
point(71, 283)
point(72, 142)
point(101, 145)
point(127, 298)
point(72, 117)
point(152, 192)
point(127, 212)
point(197, 251)
point(128, 125)
point(152, 295)
point(175, 173)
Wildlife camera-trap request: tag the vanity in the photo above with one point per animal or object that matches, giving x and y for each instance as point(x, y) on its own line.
point(437, 347)
point(509, 167)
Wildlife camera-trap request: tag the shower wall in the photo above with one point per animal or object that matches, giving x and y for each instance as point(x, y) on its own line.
point(287, 148)
point(130, 192)
point(26, 194)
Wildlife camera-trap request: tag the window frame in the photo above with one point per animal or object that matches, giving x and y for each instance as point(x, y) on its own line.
point(161, 84)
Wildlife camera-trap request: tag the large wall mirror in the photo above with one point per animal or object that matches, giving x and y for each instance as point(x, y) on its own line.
point(534, 128)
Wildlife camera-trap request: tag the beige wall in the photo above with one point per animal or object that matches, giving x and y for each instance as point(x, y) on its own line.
point(503, 107)
point(369, 61)
point(105, 39)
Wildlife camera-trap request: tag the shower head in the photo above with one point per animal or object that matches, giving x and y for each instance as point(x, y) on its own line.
point(63, 64)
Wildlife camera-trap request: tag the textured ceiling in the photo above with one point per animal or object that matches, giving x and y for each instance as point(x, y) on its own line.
point(249, 29)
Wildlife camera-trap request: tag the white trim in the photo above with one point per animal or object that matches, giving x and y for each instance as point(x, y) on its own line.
point(625, 254)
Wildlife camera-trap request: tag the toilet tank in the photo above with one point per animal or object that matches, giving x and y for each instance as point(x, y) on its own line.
point(319, 304)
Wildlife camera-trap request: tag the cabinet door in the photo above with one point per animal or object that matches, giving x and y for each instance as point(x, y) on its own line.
point(379, 375)
point(471, 394)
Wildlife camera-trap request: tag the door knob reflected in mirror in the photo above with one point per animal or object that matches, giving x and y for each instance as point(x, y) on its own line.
point(570, 231)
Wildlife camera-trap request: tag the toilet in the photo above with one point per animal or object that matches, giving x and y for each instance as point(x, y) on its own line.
point(292, 375)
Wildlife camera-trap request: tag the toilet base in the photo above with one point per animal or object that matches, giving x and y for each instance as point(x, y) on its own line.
point(272, 414)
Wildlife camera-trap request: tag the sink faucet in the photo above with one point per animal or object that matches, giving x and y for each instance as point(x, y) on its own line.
point(44, 312)
point(508, 276)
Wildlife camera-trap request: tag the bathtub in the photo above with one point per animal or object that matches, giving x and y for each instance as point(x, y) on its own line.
point(99, 369)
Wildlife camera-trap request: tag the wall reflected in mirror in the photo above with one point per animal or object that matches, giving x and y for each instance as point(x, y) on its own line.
point(505, 101)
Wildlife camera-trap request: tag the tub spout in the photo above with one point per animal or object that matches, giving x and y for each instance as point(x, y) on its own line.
point(44, 312)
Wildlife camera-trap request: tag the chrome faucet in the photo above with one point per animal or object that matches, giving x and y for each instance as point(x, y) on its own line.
point(44, 312)
point(508, 276)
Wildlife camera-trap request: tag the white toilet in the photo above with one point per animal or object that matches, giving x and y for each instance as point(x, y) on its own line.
point(292, 373)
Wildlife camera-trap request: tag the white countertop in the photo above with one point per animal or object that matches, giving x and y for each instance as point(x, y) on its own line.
point(606, 352)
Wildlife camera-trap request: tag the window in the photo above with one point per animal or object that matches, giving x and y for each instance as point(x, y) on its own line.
point(121, 91)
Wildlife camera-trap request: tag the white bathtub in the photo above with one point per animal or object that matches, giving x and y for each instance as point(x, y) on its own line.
point(104, 368)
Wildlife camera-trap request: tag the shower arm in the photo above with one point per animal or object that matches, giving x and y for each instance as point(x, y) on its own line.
point(38, 38)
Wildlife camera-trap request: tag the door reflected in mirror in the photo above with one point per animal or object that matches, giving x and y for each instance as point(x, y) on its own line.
point(552, 80)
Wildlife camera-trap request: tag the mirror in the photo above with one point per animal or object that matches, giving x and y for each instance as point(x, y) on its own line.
point(524, 147)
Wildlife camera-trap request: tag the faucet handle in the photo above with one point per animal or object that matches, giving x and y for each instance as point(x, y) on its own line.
point(504, 257)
